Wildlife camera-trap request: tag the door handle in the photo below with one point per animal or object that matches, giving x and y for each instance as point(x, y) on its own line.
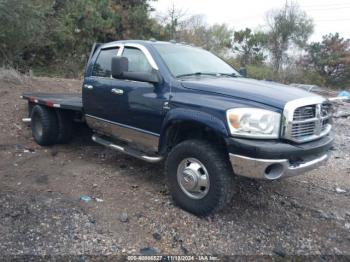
point(88, 86)
point(117, 91)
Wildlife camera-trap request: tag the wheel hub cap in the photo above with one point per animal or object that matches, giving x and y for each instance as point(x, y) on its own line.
point(193, 178)
point(189, 179)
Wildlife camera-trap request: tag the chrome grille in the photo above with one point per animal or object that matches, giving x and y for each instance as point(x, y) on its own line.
point(326, 110)
point(303, 129)
point(305, 112)
point(306, 121)
point(325, 123)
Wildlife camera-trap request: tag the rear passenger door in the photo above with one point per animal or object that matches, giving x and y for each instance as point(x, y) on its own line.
point(99, 101)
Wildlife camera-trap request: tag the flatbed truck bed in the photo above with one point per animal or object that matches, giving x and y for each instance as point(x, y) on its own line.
point(70, 101)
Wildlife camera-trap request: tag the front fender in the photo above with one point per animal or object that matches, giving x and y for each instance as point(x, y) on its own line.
point(190, 115)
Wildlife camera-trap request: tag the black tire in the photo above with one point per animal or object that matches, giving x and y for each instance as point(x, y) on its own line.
point(44, 125)
point(65, 126)
point(220, 174)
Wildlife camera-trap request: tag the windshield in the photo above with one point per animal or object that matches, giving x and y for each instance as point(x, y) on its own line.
point(185, 60)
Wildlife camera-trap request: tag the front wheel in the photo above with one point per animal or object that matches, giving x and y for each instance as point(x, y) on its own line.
point(200, 178)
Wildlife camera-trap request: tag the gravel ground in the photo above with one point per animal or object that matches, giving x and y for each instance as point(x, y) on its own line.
point(41, 212)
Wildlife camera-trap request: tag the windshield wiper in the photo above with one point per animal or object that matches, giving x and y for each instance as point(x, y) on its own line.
point(230, 75)
point(209, 74)
point(197, 74)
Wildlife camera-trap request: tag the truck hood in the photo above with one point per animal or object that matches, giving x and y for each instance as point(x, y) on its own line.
point(265, 92)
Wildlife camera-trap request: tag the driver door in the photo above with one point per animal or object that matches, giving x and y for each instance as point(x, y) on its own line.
point(142, 102)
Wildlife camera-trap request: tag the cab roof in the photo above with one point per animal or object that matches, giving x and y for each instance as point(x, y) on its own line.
point(142, 42)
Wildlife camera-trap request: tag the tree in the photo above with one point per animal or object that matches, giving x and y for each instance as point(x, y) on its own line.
point(250, 46)
point(41, 33)
point(331, 59)
point(135, 20)
point(216, 38)
point(220, 39)
point(22, 27)
point(172, 20)
point(193, 30)
point(289, 26)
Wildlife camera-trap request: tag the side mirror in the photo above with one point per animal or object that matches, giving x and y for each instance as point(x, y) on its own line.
point(120, 70)
point(120, 65)
point(243, 71)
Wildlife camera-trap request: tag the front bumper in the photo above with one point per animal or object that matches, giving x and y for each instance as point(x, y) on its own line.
point(272, 168)
point(281, 159)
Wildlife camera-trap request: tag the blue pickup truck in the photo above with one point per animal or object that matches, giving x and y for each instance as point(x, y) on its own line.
point(171, 102)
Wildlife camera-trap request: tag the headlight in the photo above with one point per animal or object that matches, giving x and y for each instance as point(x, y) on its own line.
point(253, 122)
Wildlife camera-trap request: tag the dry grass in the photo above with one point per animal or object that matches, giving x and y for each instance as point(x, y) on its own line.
point(12, 76)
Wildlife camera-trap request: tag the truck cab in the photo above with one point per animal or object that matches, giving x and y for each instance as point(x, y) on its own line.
point(162, 101)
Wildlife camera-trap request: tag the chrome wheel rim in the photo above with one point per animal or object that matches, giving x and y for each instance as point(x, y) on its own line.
point(193, 178)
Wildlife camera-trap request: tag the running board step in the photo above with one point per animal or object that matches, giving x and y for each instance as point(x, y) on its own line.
point(129, 151)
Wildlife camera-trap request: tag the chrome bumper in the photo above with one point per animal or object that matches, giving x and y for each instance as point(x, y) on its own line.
point(272, 169)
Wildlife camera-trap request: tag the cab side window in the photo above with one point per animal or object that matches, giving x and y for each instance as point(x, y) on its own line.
point(137, 60)
point(103, 64)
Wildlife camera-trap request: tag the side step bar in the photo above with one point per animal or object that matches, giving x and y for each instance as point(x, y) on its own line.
point(132, 152)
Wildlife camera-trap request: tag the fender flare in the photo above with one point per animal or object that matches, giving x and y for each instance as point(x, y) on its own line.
point(190, 115)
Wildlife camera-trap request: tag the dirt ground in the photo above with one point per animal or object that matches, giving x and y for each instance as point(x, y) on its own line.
point(41, 212)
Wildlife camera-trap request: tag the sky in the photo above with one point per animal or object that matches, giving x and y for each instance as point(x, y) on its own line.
point(328, 16)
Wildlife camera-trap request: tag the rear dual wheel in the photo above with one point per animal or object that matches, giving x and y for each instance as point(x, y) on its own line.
point(50, 127)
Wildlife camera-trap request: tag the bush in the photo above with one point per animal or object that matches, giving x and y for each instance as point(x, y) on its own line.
point(261, 72)
point(312, 77)
point(12, 76)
